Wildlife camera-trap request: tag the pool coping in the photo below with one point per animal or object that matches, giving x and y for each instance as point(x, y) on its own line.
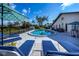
point(30, 33)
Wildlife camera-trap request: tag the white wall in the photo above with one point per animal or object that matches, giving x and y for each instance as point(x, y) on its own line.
point(68, 18)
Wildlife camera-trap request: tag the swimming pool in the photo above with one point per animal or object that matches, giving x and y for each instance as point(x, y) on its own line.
point(40, 32)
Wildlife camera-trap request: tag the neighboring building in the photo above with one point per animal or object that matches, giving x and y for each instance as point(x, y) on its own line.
point(63, 20)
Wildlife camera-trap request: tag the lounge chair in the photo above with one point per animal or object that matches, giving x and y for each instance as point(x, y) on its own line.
point(8, 36)
point(13, 35)
point(57, 53)
point(23, 50)
point(70, 47)
point(50, 50)
point(4, 35)
point(47, 47)
point(10, 40)
point(26, 47)
point(10, 51)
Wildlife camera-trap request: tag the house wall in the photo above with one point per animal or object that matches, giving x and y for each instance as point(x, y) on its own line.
point(65, 19)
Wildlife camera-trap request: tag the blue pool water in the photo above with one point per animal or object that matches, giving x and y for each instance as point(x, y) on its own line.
point(41, 32)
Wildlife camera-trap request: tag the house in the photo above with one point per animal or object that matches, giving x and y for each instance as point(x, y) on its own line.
point(64, 19)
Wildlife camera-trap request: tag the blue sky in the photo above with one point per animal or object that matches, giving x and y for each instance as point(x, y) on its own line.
point(41, 9)
point(52, 10)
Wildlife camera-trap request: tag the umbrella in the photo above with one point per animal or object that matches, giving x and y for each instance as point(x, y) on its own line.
point(6, 13)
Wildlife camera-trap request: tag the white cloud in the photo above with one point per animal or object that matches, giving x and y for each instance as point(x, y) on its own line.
point(24, 11)
point(29, 10)
point(23, 14)
point(66, 3)
point(12, 5)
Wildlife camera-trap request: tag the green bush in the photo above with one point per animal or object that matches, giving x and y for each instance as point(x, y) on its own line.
point(37, 27)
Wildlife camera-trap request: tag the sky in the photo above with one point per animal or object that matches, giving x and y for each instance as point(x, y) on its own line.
point(52, 10)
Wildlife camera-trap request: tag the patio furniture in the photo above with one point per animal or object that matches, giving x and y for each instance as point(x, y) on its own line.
point(47, 47)
point(8, 36)
point(50, 50)
point(57, 53)
point(4, 35)
point(75, 28)
point(70, 47)
point(77, 33)
point(13, 35)
point(10, 40)
point(10, 51)
point(25, 48)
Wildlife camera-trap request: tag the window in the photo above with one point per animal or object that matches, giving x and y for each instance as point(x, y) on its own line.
point(62, 18)
point(59, 25)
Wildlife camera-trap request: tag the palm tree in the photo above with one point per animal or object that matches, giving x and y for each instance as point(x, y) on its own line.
point(25, 24)
point(33, 21)
point(40, 20)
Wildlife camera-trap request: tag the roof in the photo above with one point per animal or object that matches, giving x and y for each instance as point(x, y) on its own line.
point(62, 14)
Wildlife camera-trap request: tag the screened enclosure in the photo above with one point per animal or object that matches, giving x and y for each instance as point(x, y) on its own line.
point(13, 19)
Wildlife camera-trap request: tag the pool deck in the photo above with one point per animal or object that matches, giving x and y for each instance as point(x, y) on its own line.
point(63, 36)
point(37, 46)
